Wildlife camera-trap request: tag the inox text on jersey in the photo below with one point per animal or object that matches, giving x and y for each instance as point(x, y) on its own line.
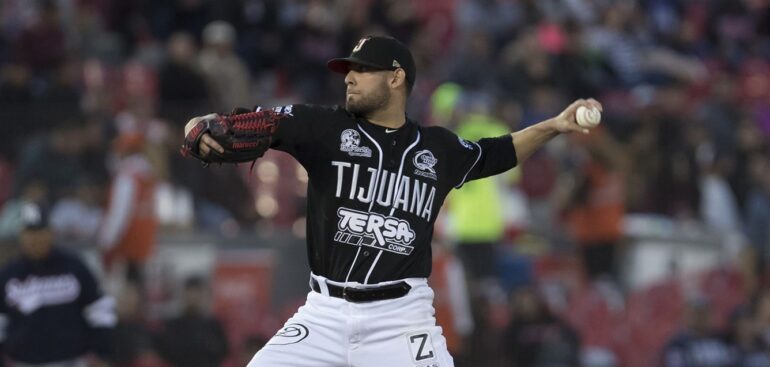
point(412, 195)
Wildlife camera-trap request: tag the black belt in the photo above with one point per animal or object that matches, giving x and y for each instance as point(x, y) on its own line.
point(359, 295)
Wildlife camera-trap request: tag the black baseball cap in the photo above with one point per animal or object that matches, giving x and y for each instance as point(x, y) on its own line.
point(34, 216)
point(379, 52)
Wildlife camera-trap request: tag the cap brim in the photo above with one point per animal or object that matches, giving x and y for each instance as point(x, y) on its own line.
point(342, 65)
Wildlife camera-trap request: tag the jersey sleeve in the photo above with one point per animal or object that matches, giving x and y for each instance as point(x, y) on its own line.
point(299, 131)
point(483, 158)
point(98, 308)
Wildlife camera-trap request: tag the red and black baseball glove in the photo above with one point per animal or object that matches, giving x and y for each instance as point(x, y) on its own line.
point(244, 135)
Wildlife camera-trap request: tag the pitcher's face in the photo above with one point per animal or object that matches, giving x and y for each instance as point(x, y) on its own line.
point(367, 89)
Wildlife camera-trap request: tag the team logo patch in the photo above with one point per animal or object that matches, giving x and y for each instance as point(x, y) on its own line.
point(421, 348)
point(290, 334)
point(425, 161)
point(465, 143)
point(374, 230)
point(349, 143)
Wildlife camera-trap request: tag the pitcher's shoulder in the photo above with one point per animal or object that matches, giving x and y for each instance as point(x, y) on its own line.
point(437, 132)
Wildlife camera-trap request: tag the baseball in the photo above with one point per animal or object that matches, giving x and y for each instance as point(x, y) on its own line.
point(588, 117)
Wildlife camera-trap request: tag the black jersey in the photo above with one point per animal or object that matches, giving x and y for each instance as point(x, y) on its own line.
point(373, 192)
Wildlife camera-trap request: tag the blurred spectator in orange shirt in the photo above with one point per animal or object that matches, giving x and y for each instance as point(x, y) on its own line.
point(129, 228)
point(596, 207)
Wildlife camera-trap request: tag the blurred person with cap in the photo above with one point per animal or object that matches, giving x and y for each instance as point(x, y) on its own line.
point(52, 311)
point(225, 72)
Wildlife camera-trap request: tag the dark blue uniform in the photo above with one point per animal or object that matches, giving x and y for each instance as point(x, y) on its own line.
point(52, 310)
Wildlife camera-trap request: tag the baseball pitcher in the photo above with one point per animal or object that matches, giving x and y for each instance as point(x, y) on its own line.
point(377, 181)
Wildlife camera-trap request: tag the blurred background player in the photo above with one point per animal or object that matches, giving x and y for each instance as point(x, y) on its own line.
point(52, 312)
point(129, 228)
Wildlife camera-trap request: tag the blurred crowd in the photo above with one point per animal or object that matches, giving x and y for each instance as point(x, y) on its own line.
point(94, 95)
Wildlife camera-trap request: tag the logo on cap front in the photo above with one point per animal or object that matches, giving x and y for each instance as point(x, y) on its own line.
point(360, 44)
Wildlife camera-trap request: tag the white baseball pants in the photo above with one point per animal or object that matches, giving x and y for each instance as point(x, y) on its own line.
point(332, 332)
